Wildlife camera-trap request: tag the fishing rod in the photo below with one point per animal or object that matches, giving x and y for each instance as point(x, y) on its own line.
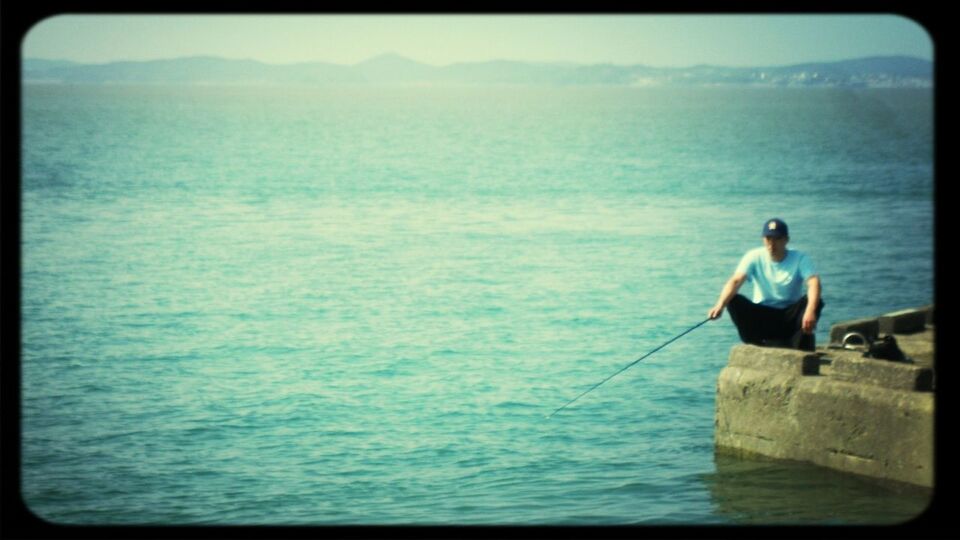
point(631, 364)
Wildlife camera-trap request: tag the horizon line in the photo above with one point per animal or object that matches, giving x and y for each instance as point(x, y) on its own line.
point(406, 58)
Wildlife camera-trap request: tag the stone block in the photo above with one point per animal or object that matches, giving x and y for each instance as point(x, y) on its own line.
point(854, 368)
point(907, 321)
point(753, 411)
point(788, 361)
point(866, 429)
point(870, 328)
point(859, 415)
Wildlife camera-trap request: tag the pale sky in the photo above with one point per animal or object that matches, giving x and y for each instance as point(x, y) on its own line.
point(653, 40)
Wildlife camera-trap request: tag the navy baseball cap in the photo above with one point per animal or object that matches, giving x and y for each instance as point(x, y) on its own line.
point(775, 227)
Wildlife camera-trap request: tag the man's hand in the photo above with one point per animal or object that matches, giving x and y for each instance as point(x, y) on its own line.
point(809, 321)
point(730, 288)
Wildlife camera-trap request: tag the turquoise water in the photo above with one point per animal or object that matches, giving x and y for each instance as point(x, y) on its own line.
point(294, 305)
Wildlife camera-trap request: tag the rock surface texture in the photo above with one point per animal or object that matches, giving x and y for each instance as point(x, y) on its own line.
point(835, 407)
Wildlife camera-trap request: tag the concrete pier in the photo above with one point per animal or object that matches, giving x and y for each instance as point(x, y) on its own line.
point(834, 407)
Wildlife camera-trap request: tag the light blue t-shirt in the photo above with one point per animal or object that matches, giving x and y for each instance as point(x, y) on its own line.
point(776, 284)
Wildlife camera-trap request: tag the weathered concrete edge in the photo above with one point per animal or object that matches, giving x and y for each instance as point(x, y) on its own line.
point(905, 321)
point(852, 367)
point(774, 359)
point(768, 406)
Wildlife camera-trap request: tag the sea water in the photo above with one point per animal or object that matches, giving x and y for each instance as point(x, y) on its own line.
point(357, 305)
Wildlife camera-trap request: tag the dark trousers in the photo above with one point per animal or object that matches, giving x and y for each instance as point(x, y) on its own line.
point(772, 327)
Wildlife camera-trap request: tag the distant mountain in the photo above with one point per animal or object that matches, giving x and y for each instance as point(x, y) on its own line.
point(35, 64)
point(904, 66)
point(505, 72)
point(871, 71)
point(393, 68)
point(195, 69)
point(881, 71)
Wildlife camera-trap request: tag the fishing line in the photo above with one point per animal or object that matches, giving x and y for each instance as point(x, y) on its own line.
point(631, 364)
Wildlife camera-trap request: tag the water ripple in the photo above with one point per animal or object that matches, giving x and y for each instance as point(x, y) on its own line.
point(281, 306)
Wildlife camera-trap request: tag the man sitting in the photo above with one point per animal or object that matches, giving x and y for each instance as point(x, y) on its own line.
point(780, 314)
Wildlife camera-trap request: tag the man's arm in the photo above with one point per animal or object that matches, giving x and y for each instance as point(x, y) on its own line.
point(813, 300)
point(729, 291)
